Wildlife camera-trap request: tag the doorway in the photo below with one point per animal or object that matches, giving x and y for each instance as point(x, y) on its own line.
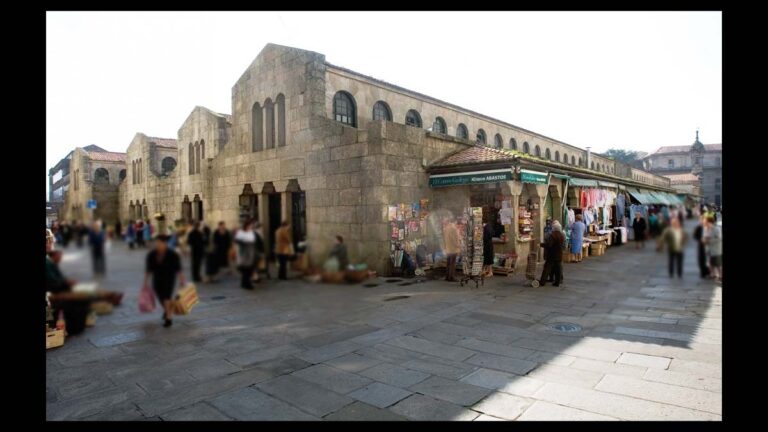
point(298, 217)
point(274, 202)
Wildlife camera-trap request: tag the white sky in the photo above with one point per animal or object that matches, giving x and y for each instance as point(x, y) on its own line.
point(632, 80)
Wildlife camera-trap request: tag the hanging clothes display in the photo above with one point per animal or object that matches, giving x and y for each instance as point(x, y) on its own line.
point(620, 209)
point(583, 198)
point(571, 217)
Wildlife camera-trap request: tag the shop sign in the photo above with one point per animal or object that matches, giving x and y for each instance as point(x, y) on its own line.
point(476, 177)
point(535, 177)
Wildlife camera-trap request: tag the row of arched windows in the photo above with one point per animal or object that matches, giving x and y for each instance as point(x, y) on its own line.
point(264, 134)
point(137, 170)
point(345, 111)
point(196, 154)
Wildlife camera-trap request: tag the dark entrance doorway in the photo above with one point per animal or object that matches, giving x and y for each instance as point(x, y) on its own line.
point(197, 208)
point(274, 202)
point(298, 217)
point(249, 204)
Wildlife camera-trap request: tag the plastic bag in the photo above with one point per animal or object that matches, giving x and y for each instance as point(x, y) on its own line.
point(331, 265)
point(146, 299)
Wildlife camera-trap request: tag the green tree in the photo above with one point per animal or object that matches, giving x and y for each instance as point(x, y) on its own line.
point(628, 157)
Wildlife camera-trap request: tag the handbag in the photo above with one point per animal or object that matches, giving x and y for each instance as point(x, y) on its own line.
point(186, 299)
point(146, 299)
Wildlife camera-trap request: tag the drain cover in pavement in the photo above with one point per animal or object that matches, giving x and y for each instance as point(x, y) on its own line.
point(565, 327)
point(397, 298)
point(218, 297)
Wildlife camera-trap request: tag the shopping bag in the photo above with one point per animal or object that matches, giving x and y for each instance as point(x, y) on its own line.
point(186, 299)
point(146, 299)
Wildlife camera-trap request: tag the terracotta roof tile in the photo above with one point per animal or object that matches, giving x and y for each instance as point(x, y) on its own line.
point(106, 156)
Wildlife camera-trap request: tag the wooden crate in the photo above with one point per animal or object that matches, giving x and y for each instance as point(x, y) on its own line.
point(54, 338)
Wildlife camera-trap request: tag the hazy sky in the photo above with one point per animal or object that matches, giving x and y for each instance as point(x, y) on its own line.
point(633, 80)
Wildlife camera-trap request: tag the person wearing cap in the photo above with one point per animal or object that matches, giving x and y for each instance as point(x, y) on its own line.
point(164, 265)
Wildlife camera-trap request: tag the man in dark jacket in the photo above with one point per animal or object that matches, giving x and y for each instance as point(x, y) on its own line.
point(222, 242)
point(553, 255)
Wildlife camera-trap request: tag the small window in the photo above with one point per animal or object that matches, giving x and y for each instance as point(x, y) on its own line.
point(381, 111)
point(526, 147)
point(537, 151)
point(512, 144)
point(580, 162)
point(593, 164)
point(671, 163)
point(101, 176)
point(439, 125)
point(498, 142)
point(480, 137)
point(412, 118)
point(344, 109)
point(168, 164)
point(573, 160)
point(557, 156)
point(122, 175)
point(718, 184)
point(547, 154)
point(462, 132)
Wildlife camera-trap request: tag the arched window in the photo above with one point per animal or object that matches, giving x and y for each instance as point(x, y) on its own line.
point(526, 147)
point(269, 123)
point(480, 137)
point(593, 164)
point(101, 176)
point(537, 151)
point(133, 172)
point(573, 160)
point(462, 132)
point(191, 159)
point(580, 164)
point(565, 158)
point(412, 118)
point(512, 144)
point(202, 149)
point(197, 157)
point(141, 170)
point(547, 154)
point(381, 111)
point(439, 126)
point(257, 129)
point(168, 164)
point(280, 120)
point(122, 175)
point(557, 156)
point(498, 142)
point(344, 109)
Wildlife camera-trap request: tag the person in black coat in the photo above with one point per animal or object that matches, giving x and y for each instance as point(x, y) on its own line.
point(222, 242)
point(196, 243)
point(164, 265)
point(553, 255)
point(639, 226)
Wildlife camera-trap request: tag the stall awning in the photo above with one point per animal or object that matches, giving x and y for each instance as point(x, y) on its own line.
point(640, 196)
point(659, 198)
point(608, 184)
point(472, 177)
point(561, 176)
point(535, 177)
point(580, 182)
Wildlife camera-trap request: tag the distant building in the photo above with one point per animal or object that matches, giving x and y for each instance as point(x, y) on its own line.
point(704, 161)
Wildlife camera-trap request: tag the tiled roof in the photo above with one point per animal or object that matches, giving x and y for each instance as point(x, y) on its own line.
point(685, 149)
point(163, 142)
point(106, 156)
point(713, 147)
point(474, 154)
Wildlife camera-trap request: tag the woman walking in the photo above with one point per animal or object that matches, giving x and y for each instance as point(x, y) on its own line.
point(164, 265)
point(577, 237)
point(245, 239)
point(675, 239)
point(639, 227)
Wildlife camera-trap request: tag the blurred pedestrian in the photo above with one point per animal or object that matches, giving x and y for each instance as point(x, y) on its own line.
point(97, 240)
point(222, 242)
point(130, 234)
point(259, 253)
point(639, 227)
point(577, 237)
point(698, 235)
point(140, 233)
point(164, 265)
point(245, 239)
point(339, 251)
point(675, 239)
point(553, 255)
point(452, 248)
point(283, 248)
point(197, 246)
point(714, 241)
point(118, 230)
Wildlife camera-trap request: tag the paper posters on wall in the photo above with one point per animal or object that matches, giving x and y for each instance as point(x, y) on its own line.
point(392, 213)
point(506, 216)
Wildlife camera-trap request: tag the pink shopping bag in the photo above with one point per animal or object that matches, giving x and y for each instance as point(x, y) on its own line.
point(146, 299)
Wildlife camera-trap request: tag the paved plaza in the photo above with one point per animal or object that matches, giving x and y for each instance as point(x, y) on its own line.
point(649, 348)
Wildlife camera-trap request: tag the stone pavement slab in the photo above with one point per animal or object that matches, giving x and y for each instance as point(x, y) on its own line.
point(457, 392)
point(395, 375)
point(644, 360)
point(502, 405)
point(359, 411)
point(251, 404)
point(668, 394)
point(307, 396)
point(379, 395)
point(432, 348)
point(331, 378)
point(545, 411)
point(419, 407)
point(353, 362)
point(506, 364)
point(681, 379)
point(505, 382)
point(200, 411)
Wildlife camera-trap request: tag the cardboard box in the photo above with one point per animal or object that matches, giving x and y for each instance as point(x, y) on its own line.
point(54, 338)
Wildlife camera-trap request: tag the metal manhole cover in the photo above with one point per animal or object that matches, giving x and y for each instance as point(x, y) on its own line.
point(393, 280)
point(565, 327)
point(397, 298)
point(218, 297)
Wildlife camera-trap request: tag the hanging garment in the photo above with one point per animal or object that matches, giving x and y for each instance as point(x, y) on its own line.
point(620, 208)
point(571, 217)
point(583, 198)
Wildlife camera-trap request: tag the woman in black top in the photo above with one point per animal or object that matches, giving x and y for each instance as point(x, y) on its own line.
point(164, 264)
point(639, 226)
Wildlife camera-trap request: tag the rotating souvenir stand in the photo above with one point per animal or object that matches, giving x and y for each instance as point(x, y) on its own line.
point(525, 221)
point(472, 251)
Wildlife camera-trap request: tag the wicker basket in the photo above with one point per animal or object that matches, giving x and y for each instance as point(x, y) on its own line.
point(356, 276)
point(333, 277)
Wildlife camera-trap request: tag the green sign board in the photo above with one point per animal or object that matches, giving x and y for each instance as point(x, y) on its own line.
point(534, 177)
point(470, 178)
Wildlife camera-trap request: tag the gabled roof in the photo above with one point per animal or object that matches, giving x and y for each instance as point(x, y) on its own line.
point(685, 149)
point(93, 148)
point(107, 156)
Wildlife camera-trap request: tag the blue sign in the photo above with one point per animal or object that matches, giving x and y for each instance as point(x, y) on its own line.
point(91, 204)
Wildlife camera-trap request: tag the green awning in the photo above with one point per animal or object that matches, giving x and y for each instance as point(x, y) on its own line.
point(472, 177)
point(640, 196)
point(661, 198)
point(607, 184)
point(580, 182)
point(561, 176)
point(535, 177)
